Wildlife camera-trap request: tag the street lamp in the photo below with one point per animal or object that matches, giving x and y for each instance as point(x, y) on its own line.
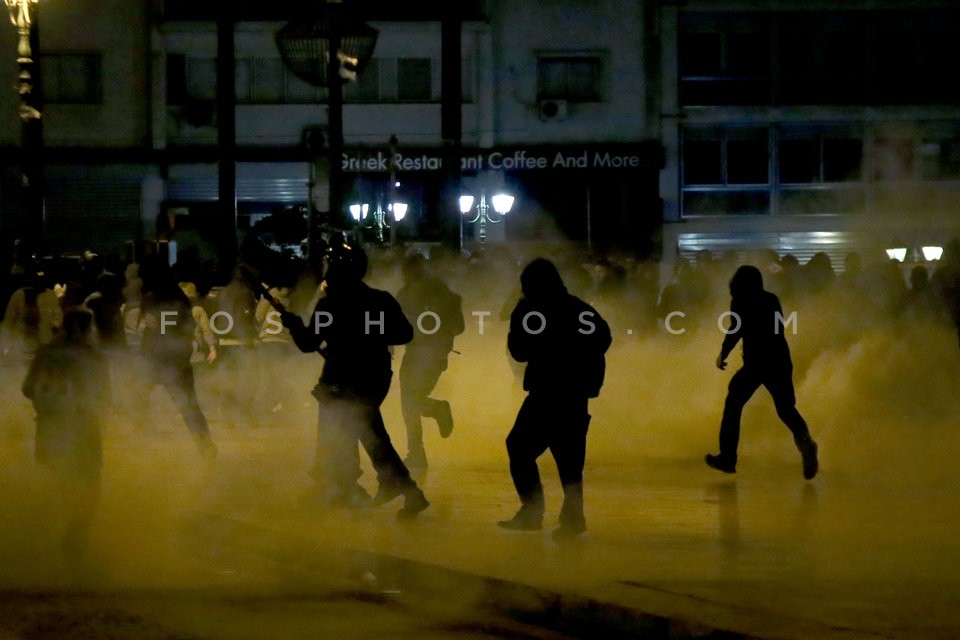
point(502, 203)
point(305, 48)
point(379, 219)
point(22, 17)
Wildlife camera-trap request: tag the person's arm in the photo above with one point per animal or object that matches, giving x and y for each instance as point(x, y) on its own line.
point(306, 338)
point(518, 339)
point(732, 337)
point(205, 332)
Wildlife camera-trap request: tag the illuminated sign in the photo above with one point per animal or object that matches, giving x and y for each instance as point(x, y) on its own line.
point(513, 159)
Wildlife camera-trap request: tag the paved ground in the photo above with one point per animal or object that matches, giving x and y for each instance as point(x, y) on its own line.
point(674, 549)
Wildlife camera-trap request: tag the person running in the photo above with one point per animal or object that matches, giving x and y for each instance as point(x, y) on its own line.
point(757, 320)
point(437, 311)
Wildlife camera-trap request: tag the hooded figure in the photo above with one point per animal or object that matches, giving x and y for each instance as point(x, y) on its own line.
point(756, 319)
point(353, 327)
point(563, 341)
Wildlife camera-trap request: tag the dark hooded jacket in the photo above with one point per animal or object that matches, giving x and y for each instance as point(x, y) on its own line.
point(564, 345)
point(757, 319)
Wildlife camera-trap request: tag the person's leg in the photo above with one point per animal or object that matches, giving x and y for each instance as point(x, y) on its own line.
point(179, 383)
point(439, 410)
point(336, 467)
point(412, 399)
point(743, 385)
point(526, 442)
point(569, 448)
point(780, 386)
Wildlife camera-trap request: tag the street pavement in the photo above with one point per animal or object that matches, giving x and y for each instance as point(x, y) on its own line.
point(236, 549)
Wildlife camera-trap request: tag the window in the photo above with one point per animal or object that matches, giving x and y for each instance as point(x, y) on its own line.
point(721, 67)
point(726, 171)
point(414, 80)
point(817, 158)
point(71, 78)
point(366, 88)
point(570, 78)
point(940, 159)
point(842, 160)
point(266, 80)
point(190, 80)
point(726, 157)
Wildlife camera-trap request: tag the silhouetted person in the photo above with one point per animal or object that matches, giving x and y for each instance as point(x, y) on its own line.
point(757, 320)
point(563, 341)
point(437, 311)
point(353, 327)
point(69, 385)
point(166, 318)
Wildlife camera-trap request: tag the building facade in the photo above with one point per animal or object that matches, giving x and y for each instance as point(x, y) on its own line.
point(654, 128)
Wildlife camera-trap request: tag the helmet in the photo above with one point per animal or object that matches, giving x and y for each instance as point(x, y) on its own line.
point(344, 263)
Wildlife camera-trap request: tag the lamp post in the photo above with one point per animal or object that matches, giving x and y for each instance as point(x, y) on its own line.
point(379, 219)
point(502, 203)
point(305, 48)
point(23, 17)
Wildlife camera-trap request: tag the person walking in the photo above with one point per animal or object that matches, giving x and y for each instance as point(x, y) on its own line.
point(757, 320)
point(563, 340)
point(437, 312)
point(68, 383)
point(353, 327)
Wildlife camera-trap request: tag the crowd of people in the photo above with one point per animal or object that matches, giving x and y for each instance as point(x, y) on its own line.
point(70, 326)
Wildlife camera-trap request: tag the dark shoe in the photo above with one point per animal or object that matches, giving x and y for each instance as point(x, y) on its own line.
point(523, 521)
point(387, 493)
point(810, 463)
point(356, 497)
point(569, 530)
point(414, 502)
point(720, 463)
point(445, 419)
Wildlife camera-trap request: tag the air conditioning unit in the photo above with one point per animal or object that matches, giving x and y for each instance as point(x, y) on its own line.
point(553, 110)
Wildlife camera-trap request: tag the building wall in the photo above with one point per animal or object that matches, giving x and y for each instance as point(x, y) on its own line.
point(900, 109)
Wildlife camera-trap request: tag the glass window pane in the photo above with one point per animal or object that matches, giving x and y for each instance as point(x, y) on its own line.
point(842, 160)
point(75, 79)
point(700, 54)
point(799, 161)
point(551, 79)
point(583, 80)
point(413, 79)
point(176, 79)
point(242, 80)
point(366, 88)
point(201, 78)
point(71, 78)
point(267, 80)
point(748, 54)
point(702, 162)
point(747, 162)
